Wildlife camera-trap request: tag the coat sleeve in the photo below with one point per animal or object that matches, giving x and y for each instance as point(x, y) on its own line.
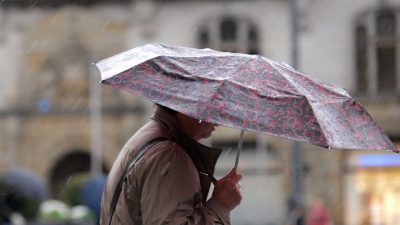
point(171, 192)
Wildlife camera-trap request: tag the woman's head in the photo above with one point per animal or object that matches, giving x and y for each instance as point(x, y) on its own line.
point(191, 126)
point(195, 128)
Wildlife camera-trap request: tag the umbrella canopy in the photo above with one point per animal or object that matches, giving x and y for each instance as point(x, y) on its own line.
point(248, 92)
point(91, 192)
point(26, 184)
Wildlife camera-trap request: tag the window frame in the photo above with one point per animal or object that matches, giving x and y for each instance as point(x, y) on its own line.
point(242, 43)
point(368, 21)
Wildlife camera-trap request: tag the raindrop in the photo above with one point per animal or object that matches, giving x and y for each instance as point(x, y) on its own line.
point(105, 26)
point(34, 4)
point(53, 21)
point(33, 46)
point(193, 33)
point(23, 118)
point(308, 30)
point(68, 180)
point(76, 105)
point(227, 151)
point(43, 45)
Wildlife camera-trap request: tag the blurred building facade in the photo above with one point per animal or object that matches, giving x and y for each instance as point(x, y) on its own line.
point(47, 48)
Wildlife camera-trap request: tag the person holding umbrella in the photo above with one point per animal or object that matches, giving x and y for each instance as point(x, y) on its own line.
point(205, 87)
point(163, 176)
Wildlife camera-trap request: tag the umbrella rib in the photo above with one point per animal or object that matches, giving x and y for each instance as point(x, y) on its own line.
point(214, 96)
point(319, 125)
point(306, 98)
point(283, 73)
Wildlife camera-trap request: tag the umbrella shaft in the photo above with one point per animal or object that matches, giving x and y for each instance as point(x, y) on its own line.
point(239, 150)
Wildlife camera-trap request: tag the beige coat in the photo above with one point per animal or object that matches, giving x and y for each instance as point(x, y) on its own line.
point(165, 186)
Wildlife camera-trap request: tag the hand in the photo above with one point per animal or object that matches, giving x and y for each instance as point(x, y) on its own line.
point(227, 190)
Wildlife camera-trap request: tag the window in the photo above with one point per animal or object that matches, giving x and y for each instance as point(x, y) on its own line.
point(361, 46)
point(377, 54)
point(386, 50)
point(231, 34)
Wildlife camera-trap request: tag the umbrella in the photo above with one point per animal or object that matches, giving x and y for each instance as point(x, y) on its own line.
point(26, 184)
point(91, 192)
point(21, 191)
point(248, 92)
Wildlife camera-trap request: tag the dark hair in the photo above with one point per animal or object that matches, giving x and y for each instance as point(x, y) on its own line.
point(168, 110)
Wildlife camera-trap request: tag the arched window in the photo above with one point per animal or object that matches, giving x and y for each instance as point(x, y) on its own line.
point(228, 29)
point(231, 34)
point(377, 52)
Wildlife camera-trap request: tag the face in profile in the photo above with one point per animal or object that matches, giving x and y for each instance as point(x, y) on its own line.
point(195, 129)
point(205, 130)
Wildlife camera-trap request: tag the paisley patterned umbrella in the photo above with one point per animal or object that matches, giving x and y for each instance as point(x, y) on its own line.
point(248, 92)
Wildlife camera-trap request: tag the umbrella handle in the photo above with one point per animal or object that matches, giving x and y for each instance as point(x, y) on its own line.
point(239, 150)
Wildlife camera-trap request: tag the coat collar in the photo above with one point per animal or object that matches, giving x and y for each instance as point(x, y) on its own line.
point(204, 157)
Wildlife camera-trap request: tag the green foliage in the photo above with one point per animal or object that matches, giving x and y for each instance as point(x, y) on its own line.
point(69, 193)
